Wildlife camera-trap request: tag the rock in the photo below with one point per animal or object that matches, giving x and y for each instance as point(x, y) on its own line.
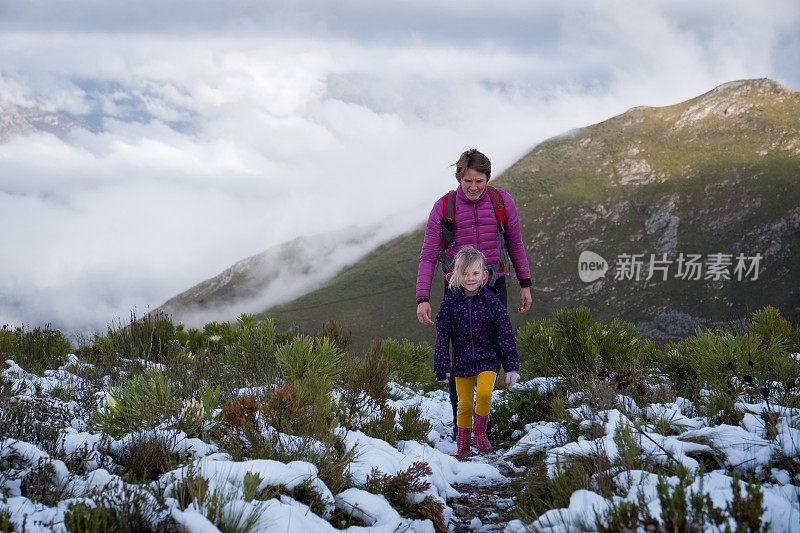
point(662, 218)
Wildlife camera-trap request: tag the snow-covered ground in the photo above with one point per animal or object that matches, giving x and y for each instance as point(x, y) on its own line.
point(746, 450)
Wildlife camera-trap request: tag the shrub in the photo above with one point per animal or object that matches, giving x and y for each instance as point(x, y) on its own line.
point(197, 418)
point(539, 493)
point(413, 426)
point(521, 407)
point(304, 493)
point(365, 388)
point(683, 510)
point(767, 324)
point(39, 484)
point(215, 505)
point(573, 345)
point(336, 335)
point(6, 525)
point(135, 509)
point(383, 425)
point(147, 457)
point(153, 337)
point(312, 367)
point(409, 363)
point(244, 434)
point(283, 410)
point(145, 400)
point(617, 346)
point(251, 351)
point(30, 423)
point(84, 518)
point(34, 350)
point(400, 490)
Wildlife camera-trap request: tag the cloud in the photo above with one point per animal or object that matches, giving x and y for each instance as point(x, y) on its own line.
point(212, 135)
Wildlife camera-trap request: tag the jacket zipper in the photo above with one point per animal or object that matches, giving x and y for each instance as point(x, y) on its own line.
point(475, 215)
point(471, 333)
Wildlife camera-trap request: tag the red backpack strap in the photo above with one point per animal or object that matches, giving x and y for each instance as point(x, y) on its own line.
point(499, 207)
point(500, 214)
point(448, 230)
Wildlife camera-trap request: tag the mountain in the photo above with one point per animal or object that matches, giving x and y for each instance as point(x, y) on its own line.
point(717, 174)
point(276, 275)
point(16, 120)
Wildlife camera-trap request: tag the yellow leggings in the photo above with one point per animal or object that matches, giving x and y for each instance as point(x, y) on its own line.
point(465, 387)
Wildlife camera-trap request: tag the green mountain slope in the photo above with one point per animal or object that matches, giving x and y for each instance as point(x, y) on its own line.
point(715, 174)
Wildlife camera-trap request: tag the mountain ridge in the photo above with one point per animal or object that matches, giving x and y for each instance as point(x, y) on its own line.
point(715, 170)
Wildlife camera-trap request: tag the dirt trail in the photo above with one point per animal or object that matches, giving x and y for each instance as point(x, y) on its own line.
point(491, 503)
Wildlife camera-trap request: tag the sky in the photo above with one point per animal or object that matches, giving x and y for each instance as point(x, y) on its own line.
point(210, 131)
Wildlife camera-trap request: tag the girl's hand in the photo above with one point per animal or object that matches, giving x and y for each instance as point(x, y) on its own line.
point(424, 313)
point(511, 378)
point(446, 378)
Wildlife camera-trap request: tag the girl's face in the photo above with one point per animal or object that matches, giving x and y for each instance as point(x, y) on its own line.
point(472, 278)
point(473, 183)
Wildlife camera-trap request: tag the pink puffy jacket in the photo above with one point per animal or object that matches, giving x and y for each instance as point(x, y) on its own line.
point(475, 225)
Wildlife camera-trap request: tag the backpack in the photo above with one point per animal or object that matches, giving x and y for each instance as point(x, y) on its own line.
point(448, 232)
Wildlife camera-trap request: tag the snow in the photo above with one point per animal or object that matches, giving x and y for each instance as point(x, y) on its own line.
point(749, 449)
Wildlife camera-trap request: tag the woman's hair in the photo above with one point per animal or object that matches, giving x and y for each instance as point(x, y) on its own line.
point(465, 258)
point(476, 161)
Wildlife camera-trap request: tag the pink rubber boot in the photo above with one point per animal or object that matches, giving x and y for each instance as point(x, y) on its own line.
point(481, 442)
point(462, 441)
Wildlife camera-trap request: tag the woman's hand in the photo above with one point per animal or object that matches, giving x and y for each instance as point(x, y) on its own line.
point(424, 312)
point(525, 299)
point(511, 378)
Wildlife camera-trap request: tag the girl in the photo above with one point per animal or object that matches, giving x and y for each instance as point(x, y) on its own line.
point(477, 323)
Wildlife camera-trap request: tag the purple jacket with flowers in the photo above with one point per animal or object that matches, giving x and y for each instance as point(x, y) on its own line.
point(479, 327)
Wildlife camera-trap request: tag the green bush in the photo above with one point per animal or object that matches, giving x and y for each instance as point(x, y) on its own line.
point(749, 365)
point(538, 493)
point(365, 388)
point(413, 426)
point(141, 403)
point(768, 324)
point(521, 407)
point(6, 525)
point(312, 366)
point(382, 426)
point(252, 350)
point(684, 510)
point(34, 350)
point(84, 518)
point(147, 457)
point(574, 345)
point(153, 337)
point(409, 363)
point(125, 509)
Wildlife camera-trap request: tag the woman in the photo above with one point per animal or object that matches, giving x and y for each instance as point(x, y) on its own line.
point(474, 223)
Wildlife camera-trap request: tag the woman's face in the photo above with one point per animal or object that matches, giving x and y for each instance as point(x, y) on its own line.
point(473, 183)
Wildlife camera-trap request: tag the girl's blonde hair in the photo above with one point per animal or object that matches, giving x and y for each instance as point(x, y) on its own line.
point(466, 257)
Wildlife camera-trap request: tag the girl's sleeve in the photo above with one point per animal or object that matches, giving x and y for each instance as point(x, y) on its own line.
point(505, 336)
point(444, 328)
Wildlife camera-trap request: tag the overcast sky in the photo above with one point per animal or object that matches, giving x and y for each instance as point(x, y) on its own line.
point(214, 130)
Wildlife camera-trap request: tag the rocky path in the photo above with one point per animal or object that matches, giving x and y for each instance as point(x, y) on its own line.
point(491, 504)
